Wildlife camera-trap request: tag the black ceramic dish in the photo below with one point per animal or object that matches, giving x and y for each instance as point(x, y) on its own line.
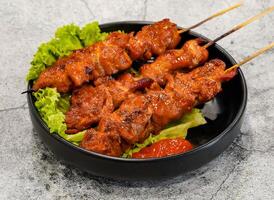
point(224, 115)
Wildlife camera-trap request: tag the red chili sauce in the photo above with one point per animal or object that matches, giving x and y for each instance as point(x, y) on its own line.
point(164, 148)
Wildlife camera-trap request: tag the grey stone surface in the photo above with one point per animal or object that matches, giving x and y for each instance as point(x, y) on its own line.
point(29, 171)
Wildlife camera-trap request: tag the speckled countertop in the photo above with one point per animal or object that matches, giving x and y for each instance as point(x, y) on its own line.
point(29, 171)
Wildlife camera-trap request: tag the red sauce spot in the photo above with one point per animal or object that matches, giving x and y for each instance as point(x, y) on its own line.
point(164, 148)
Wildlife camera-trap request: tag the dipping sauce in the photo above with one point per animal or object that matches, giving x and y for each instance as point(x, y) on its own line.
point(164, 148)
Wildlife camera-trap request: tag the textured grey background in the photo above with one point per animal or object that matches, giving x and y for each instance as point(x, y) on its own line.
point(29, 171)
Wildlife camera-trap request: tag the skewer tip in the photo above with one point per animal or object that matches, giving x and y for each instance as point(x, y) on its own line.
point(212, 17)
point(254, 55)
point(28, 91)
point(241, 25)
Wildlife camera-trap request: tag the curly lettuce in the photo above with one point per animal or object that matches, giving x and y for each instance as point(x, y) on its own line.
point(173, 130)
point(52, 107)
point(47, 101)
point(67, 39)
point(91, 33)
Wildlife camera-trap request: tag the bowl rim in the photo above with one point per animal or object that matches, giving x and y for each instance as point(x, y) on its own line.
point(214, 140)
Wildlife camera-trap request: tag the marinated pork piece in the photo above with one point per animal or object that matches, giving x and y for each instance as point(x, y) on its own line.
point(88, 105)
point(54, 76)
point(131, 121)
point(107, 144)
point(154, 39)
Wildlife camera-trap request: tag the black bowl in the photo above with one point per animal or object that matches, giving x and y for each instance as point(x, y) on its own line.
point(224, 115)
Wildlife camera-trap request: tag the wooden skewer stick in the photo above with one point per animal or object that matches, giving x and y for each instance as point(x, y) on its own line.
point(28, 91)
point(254, 55)
point(239, 26)
point(211, 17)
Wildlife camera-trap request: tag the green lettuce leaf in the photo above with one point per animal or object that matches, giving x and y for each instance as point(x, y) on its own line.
point(76, 138)
point(63, 103)
point(91, 33)
point(67, 39)
point(52, 107)
point(42, 58)
point(173, 130)
point(46, 103)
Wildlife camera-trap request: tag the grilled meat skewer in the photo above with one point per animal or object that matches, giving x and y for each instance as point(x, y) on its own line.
point(191, 55)
point(109, 56)
point(148, 113)
point(177, 59)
